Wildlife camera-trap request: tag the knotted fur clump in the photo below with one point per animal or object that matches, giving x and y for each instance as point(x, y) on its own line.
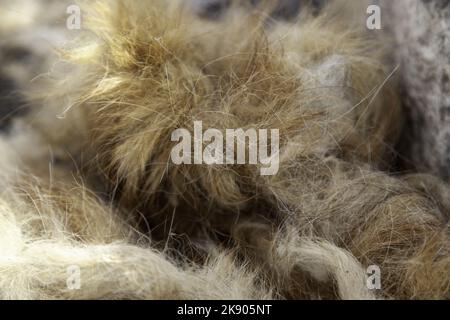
point(47, 229)
point(311, 230)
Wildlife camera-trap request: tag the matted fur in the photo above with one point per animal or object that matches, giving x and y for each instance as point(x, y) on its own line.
point(145, 69)
point(45, 229)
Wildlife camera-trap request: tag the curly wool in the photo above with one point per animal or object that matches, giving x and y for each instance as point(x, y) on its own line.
point(308, 232)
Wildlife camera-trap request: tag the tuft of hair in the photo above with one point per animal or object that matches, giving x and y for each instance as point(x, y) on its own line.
point(145, 69)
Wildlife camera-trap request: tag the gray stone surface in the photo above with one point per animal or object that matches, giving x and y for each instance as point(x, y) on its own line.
point(422, 33)
point(285, 9)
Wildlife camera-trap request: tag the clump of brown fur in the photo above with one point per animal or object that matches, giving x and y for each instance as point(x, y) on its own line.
point(47, 229)
point(309, 231)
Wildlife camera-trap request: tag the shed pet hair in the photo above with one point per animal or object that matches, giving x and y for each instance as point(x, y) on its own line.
point(140, 226)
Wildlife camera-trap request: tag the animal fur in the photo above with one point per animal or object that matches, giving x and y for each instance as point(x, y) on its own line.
point(145, 69)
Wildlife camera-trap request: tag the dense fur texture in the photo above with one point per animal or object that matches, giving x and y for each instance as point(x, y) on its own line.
point(145, 69)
